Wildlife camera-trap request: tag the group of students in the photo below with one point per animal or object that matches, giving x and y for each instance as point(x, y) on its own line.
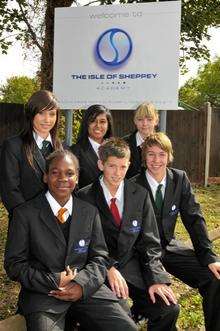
point(83, 238)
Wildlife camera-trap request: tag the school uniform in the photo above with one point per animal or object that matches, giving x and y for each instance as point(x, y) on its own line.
point(38, 249)
point(134, 249)
point(88, 159)
point(134, 143)
point(19, 181)
point(190, 266)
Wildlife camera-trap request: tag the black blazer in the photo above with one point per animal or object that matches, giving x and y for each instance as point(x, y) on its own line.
point(135, 165)
point(135, 248)
point(36, 252)
point(88, 159)
point(19, 182)
point(180, 200)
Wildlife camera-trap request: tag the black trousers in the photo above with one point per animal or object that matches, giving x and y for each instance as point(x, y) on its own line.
point(160, 316)
point(188, 269)
point(92, 314)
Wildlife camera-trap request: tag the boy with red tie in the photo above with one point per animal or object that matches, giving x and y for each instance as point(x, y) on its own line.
point(132, 238)
point(52, 236)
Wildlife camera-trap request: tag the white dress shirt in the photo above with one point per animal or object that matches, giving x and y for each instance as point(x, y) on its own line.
point(154, 184)
point(95, 145)
point(139, 139)
point(39, 140)
point(55, 206)
point(119, 195)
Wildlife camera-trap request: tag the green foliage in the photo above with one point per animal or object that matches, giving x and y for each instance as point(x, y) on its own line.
point(205, 87)
point(25, 20)
point(18, 89)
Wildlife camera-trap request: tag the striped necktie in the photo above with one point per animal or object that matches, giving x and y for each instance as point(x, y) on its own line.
point(61, 216)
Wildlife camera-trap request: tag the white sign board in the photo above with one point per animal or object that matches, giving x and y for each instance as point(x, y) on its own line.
point(117, 55)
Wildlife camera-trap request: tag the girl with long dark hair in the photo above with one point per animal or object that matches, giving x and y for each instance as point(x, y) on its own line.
point(23, 156)
point(97, 125)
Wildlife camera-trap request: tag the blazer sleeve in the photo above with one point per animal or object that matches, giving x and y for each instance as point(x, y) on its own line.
point(18, 264)
point(93, 275)
point(10, 176)
point(194, 223)
point(149, 249)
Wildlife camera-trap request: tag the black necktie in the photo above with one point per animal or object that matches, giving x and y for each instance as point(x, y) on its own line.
point(46, 148)
point(159, 198)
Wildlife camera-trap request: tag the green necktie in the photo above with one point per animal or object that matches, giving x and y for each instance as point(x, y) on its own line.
point(159, 198)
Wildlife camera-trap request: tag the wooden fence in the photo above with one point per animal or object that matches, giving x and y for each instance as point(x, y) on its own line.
point(188, 130)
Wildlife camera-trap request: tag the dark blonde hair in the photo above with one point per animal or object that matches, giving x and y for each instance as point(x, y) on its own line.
point(39, 101)
point(146, 109)
point(161, 140)
point(114, 147)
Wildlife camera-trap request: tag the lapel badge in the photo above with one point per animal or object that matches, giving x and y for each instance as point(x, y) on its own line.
point(135, 223)
point(82, 243)
point(135, 226)
point(173, 207)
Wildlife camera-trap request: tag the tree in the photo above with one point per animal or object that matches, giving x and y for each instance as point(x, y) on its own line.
point(18, 89)
point(205, 87)
point(32, 22)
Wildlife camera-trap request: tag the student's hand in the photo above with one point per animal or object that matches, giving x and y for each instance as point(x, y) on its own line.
point(118, 283)
point(164, 291)
point(71, 292)
point(215, 269)
point(66, 276)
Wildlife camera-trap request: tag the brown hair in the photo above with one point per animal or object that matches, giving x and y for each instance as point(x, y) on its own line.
point(161, 140)
point(114, 147)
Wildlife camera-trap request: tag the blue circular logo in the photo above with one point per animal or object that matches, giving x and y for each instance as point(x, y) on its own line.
point(114, 47)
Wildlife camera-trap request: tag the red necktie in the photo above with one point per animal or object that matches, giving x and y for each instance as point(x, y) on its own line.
point(115, 212)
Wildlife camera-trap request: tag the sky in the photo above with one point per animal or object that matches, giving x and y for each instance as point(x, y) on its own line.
point(14, 63)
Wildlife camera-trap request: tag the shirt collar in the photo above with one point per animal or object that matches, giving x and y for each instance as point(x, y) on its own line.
point(119, 194)
point(139, 139)
point(55, 206)
point(39, 140)
point(152, 181)
point(94, 144)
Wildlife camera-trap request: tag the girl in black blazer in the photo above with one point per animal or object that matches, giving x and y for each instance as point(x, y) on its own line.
point(97, 125)
point(146, 120)
point(23, 156)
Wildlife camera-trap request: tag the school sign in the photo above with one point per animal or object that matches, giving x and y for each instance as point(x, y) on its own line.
point(117, 55)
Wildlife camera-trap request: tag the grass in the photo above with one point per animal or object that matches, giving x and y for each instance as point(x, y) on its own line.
point(191, 316)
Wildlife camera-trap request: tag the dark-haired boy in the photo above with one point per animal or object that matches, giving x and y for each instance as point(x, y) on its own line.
point(132, 238)
point(50, 238)
point(171, 195)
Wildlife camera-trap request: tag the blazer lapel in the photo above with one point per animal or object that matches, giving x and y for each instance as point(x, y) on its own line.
point(102, 205)
point(91, 155)
point(142, 180)
point(48, 218)
point(39, 159)
point(76, 224)
point(128, 205)
point(168, 197)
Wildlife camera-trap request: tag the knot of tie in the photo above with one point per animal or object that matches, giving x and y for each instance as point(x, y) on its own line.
point(60, 215)
point(46, 148)
point(115, 212)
